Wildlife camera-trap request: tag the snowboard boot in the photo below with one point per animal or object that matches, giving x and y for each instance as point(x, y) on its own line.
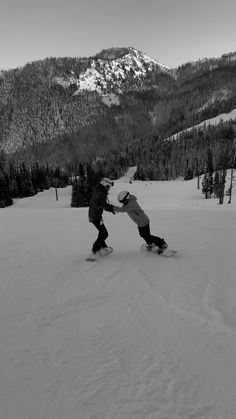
point(105, 251)
point(150, 247)
point(163, 247)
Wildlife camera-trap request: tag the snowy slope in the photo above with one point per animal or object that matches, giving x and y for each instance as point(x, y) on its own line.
point(132, 336)
point(223, 117)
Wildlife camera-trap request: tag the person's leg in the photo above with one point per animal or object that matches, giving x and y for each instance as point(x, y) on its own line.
point(102, 235)
point(144, 232)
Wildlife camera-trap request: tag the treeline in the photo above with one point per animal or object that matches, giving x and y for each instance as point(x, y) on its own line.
point(200, 151)
point(214, 180)
point(186, 155)
point(19, 180)
point(89, 174)
point(21, 176)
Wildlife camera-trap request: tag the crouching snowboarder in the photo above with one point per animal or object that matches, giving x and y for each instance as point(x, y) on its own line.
point(136, 213)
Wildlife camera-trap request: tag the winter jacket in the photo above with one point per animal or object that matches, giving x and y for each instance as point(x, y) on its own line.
point(98, 203)
point(135, 212)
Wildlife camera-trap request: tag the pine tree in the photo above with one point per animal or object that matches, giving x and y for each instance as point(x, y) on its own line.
point(5, 197)
point(188, 174)
point(216, 186)
point(206, 186)
point(222, 179)
point(25, 184)
point(91, 179)
point(40, 178)
point(232, 168)
point(207, 183)
point(13, 186)
point(79, 198)
point(222, 166)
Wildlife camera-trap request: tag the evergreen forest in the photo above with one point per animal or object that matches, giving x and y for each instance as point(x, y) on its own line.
point(51, 136)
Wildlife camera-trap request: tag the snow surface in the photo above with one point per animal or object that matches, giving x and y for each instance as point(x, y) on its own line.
point(131, 336)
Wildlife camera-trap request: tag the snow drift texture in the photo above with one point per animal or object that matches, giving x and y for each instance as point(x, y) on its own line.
point(132, 336)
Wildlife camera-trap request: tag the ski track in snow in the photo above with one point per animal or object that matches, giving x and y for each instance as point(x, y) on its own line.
point(131, 336)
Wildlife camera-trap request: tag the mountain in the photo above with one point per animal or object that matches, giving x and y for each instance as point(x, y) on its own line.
point(110, 99)
point(118, 70)
point(57, 96)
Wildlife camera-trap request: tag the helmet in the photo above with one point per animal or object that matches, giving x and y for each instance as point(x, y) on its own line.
point(106, 182)
point(123, 195)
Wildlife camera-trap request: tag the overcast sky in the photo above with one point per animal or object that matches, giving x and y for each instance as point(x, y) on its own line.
point(171, 31)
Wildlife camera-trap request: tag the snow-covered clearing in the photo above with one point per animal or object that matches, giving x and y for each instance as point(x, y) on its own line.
point(131, 336)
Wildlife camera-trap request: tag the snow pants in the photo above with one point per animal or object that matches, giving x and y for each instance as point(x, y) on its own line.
point(102, 236)
point(144, 232)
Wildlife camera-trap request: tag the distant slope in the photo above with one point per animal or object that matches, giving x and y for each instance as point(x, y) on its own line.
point(212, 121)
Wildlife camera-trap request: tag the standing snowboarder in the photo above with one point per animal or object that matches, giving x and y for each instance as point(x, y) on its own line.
point(98, 203)
point(136, 213)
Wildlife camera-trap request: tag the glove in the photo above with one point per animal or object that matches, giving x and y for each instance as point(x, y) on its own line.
point(115, 209)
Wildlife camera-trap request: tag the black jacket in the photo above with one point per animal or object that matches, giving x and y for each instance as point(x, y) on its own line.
point(98, 203)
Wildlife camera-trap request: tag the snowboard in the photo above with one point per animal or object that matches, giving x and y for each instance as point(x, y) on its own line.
point(100, 254)
point(155, 250)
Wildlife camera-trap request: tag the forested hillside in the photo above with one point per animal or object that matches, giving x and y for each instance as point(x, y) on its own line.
point(56, 98)
point(115, 110)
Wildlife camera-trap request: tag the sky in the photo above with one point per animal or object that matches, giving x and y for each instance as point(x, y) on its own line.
point(170, 31)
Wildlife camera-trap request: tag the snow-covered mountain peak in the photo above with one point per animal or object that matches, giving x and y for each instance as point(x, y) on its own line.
point(129, 54)
point(113, 71)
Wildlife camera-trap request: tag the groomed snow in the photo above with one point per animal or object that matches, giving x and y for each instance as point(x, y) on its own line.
point(132, 336)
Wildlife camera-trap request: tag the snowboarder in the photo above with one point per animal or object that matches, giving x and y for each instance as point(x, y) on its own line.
point(98, 203)
point(136, 213)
